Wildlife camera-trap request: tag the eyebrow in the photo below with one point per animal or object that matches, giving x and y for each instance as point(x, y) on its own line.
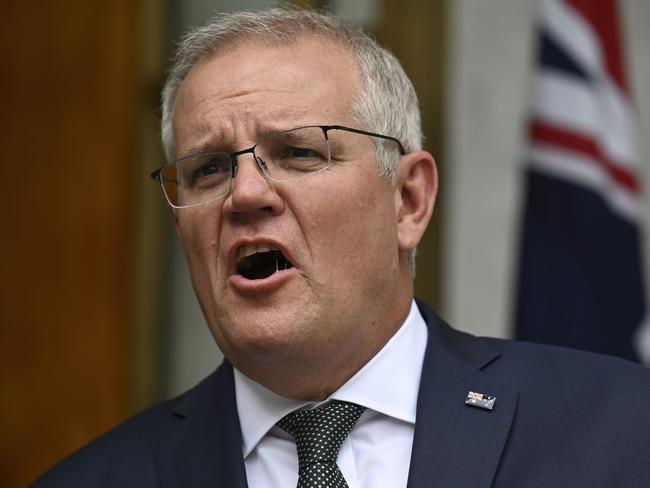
point(210, 146)
point(206, 147)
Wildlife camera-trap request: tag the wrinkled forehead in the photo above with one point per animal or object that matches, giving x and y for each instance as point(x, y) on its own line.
point(255, 43)
point(252, 88)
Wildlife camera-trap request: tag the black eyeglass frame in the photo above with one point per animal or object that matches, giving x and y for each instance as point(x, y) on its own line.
point(156, 175)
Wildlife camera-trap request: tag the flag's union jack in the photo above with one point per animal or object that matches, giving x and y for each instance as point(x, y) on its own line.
point(580, 282)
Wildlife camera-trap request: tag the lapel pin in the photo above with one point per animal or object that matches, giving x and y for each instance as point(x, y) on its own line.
point(480, 400)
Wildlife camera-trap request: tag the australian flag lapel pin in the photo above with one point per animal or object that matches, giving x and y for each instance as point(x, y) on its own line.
point(480, 400)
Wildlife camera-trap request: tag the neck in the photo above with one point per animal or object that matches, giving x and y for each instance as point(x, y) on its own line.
point(314, 374)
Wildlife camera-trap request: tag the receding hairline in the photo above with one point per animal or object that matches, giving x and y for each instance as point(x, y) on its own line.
point(345, 85)
point(260, 40)
point(237, 39)
point(234, 40)
point(253, 40)
point(386, 102)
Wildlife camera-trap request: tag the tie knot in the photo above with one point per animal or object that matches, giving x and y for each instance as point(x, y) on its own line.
point(320, 432)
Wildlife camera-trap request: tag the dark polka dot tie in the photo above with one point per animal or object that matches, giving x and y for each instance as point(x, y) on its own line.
point(319, 434)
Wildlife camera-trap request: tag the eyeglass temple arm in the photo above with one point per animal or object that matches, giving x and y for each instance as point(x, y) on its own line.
point(155, 175)
point(365, 133)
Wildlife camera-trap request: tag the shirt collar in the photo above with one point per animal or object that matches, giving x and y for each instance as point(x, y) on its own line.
point(387, 384)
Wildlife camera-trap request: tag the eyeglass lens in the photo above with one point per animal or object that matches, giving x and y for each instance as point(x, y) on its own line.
point(206, 177)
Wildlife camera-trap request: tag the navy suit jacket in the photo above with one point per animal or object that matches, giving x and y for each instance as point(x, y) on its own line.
point(562, 418)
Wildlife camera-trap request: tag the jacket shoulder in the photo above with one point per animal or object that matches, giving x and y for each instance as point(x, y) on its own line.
point(123, 456)
point(585, 413)
point(580, 419)
point(533, 365)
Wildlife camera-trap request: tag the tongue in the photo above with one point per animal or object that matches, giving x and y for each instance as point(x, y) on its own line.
point(262, 265)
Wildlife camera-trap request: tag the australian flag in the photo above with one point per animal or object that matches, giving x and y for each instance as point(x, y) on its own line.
point(580, 274)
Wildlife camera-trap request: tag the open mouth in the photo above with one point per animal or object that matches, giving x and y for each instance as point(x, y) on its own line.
point(259, 261)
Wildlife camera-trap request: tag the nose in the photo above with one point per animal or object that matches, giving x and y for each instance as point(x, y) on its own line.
point(252, 193)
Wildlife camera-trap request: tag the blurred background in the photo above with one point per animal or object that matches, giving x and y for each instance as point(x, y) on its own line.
point(97, 317)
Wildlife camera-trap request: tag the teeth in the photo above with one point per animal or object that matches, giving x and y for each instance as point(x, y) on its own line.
point(250, 249)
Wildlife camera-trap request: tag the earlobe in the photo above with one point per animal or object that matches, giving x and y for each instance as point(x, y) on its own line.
point(416, 187)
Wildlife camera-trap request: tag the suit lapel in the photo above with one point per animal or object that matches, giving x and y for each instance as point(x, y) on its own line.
point(202, 447)
point(456, 444)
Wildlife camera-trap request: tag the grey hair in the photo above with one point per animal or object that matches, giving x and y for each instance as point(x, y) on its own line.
point(386, 104)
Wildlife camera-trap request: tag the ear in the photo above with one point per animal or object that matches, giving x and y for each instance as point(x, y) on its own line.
point(416, 187)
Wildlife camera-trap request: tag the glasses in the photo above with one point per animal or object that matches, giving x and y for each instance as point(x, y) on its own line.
point(202, 178)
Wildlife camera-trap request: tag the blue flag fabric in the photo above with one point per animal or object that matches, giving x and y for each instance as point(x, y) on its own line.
point(580, 273)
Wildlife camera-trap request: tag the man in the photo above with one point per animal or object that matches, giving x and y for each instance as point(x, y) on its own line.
point(299, 191)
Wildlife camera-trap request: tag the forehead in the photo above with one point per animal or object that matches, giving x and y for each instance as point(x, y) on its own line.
point(251, 89)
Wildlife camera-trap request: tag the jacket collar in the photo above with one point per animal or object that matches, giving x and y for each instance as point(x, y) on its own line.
point(456, 444)
point(202, 446)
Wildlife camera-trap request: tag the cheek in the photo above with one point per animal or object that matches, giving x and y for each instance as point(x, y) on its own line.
point(199, 233)
point(355, 234)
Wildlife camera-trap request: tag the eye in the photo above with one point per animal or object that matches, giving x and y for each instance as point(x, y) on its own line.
point(298, 151)
point(302, 152)
point(207, 169)
point(301, 159)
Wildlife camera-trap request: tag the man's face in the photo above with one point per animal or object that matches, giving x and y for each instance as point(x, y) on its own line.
point(337, 228)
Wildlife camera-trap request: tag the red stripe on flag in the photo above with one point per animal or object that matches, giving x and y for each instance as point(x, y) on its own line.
point(579, 143)
point(604, 19)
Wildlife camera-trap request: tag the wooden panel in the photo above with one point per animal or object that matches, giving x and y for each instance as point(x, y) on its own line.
point(67, 171)
point(152, 230)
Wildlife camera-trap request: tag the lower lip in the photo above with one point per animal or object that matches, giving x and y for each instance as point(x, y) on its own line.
point(264, 285)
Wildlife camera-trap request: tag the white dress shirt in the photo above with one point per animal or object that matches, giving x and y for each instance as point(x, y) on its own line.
point(377, 452)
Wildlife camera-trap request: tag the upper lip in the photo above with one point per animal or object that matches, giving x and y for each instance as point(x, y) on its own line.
point(271, 242)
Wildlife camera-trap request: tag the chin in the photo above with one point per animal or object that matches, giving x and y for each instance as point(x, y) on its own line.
point(260, 335)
